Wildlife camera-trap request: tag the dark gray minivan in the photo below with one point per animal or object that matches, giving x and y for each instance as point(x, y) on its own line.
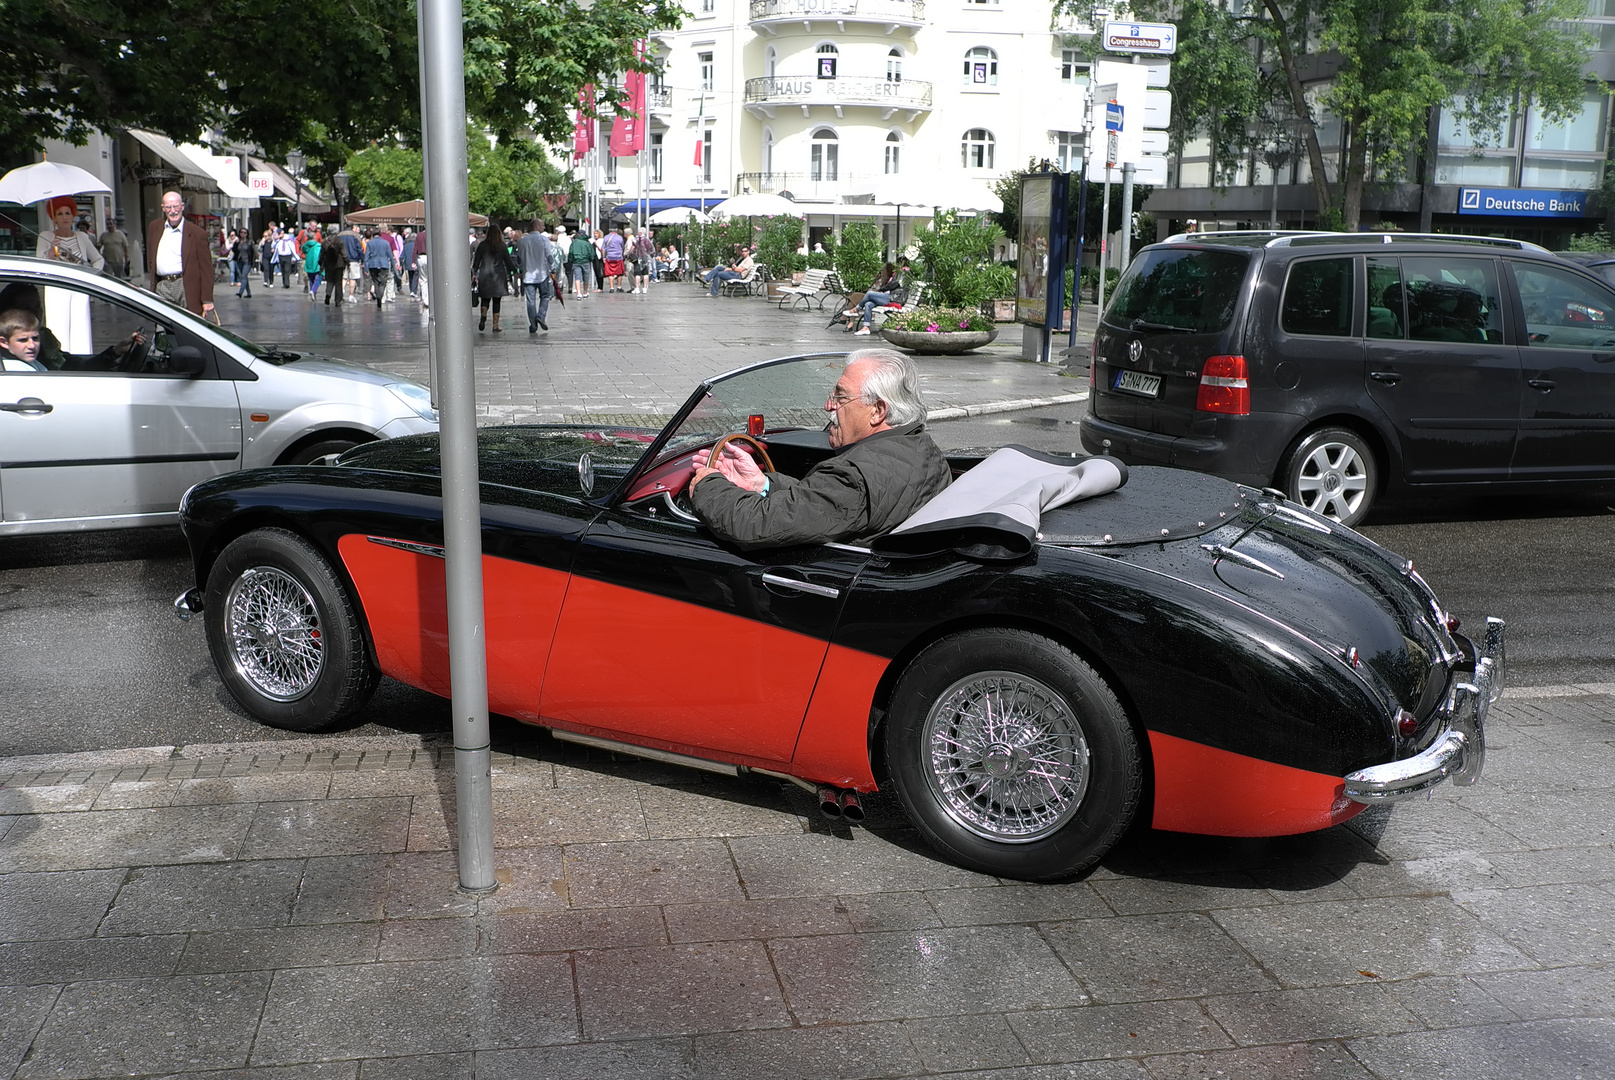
point(1338, 366)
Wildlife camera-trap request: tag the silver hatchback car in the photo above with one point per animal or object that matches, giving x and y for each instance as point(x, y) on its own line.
point(141, 400)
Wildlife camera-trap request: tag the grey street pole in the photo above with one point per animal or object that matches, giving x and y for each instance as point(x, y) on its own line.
point(1127, 213)
point(443, 119)
point(1104, 244)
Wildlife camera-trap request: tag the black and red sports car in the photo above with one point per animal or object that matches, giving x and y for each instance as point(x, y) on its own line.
point(1183, 647)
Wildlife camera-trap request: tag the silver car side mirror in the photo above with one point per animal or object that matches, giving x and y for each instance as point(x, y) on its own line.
point(586, 474)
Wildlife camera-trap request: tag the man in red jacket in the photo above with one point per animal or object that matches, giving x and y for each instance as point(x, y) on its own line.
point(181, 264)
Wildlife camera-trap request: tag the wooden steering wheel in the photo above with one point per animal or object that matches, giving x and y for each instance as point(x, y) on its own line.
point(757, 447)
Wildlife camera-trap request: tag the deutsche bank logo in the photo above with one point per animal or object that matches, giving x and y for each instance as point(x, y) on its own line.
point(1471, 198)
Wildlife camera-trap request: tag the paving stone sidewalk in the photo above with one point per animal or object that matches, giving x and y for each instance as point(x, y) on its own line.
point(280, 911)
point(633, 358)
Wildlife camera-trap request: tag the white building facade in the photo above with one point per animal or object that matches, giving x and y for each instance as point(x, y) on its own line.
point(836, 100)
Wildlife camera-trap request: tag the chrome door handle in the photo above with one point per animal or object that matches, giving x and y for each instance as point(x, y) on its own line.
point(827, 591)
point(27, 404)
point(1541, 384)
point(1389, 378)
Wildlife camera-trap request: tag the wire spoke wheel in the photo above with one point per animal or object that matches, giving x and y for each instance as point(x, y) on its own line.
point(1008, 760)
point(273, 631)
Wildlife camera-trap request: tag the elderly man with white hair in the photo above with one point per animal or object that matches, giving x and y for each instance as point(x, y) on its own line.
point(884, 468)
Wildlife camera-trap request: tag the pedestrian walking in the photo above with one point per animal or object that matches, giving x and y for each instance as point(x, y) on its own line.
point(245, 255)
point(582, 252)
point(115, 248)
point(599, 261)
point(408, 256)
point(491, 271)
point(181, 261)
point(614, 247)
point(536, 256)
point(266, 255)
point(286, 256)
point(65, 242)
point(378, 263)
point(354, 246)
point(396, 242)
point(420, 264)
point(642, 254)
point(333, 265)
point(311, 265)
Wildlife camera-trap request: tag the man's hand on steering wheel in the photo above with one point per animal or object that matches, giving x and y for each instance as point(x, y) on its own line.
point(733, 464)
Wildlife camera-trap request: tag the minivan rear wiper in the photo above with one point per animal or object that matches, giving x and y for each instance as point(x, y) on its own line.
point(1145, 324)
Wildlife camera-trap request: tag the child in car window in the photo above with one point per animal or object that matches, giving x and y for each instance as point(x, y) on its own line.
point(19, 341)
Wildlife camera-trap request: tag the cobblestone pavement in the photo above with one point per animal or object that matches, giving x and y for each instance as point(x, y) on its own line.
point(626, 357)
point(276, 911)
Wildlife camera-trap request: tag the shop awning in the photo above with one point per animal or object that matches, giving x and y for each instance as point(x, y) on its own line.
point(666, 204)
point(192, 176)
point(286, 188)
point(226, 172)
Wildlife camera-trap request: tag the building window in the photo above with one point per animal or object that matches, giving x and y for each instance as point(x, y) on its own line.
point(770, 62)
point(656, 157)
point(707, 69)
point(1067, 150)
point(1073, 67)
point(982, 3)
point(894, 146)
point(708, 6)
point(827, 55)
point(825, 154)
point(706, 156)
point(976, 151)
point(894, 66)
point(611, 168)
point(768, 154)
point(981, 67)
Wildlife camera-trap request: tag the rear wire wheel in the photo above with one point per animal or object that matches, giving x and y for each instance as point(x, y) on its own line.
point(1012, 755)
point(285, 638)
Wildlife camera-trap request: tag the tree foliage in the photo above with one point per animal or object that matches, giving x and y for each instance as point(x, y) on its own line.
point(506, 180)
point(956, 253)
point(1243, 66)
point(182, 67)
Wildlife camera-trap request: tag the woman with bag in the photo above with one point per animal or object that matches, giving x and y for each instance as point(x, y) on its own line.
point(245, 253)
point(491, 268)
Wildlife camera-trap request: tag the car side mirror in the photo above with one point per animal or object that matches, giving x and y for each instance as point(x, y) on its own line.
point(186, 360)
point(586, 474)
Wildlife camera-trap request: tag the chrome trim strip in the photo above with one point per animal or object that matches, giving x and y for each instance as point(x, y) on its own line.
point(1459, 749)
point(612, 746)
point(434, 550)
point(1222, 551)
point(827, 591)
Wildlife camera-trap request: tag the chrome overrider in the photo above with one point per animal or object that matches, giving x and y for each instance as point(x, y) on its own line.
point(1459, 749)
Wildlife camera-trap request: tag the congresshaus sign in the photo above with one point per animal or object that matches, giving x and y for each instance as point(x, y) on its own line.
point(1522, 202)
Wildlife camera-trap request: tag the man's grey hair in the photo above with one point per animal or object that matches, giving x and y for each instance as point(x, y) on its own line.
point(894, 380)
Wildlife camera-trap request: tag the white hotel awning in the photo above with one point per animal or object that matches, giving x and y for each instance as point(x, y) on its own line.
point(226, 172)
point(194, 177)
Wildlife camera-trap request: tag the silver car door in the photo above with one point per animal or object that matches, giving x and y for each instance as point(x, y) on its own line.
point(89, 444)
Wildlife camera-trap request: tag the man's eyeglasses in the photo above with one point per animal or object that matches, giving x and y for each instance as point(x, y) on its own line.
point(840, 397)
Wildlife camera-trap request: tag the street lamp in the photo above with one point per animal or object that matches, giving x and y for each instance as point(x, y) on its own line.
point(340, 182)
point(1278, 148)
point(295, 159)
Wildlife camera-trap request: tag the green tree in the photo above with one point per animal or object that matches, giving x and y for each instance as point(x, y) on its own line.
point(857, 255)
point(1241, 65)
point(505, 180)
point(182, 67)
point(955, 254)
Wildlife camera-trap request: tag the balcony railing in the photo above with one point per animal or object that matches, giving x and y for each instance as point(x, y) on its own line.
point(895, 12)
point(804, 187)
point(856, 90)
point(656, 99)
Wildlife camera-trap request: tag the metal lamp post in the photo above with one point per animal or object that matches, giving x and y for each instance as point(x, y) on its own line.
point(295, 159)
point(340, 182)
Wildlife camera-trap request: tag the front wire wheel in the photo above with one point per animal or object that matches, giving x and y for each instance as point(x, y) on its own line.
point(1012, 755)
point(285, 638)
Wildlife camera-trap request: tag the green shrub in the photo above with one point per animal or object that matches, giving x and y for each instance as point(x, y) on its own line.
point(818, 260)
point(1597, 240)
point(857, 257)
point(955, 258)
point(777, 243)
point(938, 320)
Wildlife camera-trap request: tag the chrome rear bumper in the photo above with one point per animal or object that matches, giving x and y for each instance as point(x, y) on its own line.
point(1459, 750)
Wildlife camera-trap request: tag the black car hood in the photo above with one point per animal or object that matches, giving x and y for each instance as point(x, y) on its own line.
point(1347, 595)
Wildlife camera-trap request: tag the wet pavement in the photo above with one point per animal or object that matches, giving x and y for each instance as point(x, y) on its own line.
point(282, 911)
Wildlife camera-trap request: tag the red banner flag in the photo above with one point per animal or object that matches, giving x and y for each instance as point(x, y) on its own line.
point(583, 127)
point(628, 130)
point(699, 128)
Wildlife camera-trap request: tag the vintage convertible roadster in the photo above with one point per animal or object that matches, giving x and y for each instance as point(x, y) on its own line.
point(1204, 653)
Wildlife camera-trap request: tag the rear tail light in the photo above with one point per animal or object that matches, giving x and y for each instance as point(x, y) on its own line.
point(1093, 363)
point(1224, 386)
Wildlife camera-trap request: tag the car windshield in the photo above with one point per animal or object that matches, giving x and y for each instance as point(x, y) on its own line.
point(786, 394)
point(1186, 289)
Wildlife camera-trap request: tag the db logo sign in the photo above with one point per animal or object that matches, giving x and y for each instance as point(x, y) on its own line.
point(261, 184)
point(1470, 199)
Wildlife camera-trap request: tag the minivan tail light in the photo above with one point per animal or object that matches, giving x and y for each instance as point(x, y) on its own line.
point(1224, 386)
point(1093, 363)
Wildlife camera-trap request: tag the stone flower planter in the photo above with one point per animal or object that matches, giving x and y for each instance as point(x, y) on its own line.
point(944, 343)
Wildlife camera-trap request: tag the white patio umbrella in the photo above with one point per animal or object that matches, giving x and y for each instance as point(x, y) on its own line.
point(46, 180)
point(755, 204)
point(679, 215)
point(942, 192)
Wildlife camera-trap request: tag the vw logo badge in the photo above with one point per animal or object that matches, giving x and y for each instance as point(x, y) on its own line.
point(1134, 351)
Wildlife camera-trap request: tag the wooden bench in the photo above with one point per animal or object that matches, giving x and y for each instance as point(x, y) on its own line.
point(916, 295)
point(755, 281)
point(817, 285)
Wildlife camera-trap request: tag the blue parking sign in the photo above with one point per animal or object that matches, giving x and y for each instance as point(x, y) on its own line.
point(1113, 116)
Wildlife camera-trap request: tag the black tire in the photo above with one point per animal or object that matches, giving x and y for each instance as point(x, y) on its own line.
point(312, 452)
point(1332, 472)
point(1059, 708)
point(285, 638)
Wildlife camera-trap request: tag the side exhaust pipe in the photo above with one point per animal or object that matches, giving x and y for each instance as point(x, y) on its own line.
point(840, 804)
point(830, 802)
point(851, 807)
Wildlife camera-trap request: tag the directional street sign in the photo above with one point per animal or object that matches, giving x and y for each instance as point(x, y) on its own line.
point(1113, 116)
point(1141, 37)
point(1111, 147)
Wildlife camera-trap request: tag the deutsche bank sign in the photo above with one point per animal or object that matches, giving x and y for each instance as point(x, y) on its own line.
point(1522, 202)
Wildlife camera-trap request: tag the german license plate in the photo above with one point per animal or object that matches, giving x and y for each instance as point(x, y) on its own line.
point(1136, 382)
